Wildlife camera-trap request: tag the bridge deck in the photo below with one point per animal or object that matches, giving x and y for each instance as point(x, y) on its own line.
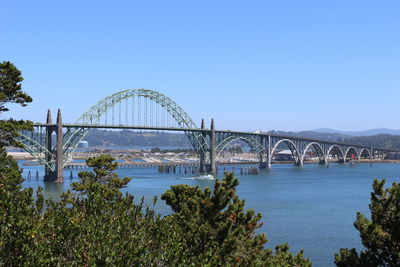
point(155, 128)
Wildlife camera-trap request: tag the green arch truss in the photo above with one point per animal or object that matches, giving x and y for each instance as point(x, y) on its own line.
point(37, 150)
point(92, 117)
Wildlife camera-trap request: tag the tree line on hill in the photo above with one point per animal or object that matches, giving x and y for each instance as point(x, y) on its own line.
point(97, 137)
point(380, 140)
point(157, 139)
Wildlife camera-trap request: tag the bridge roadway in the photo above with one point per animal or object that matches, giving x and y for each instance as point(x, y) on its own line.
point(239, 133)
point(144, 109)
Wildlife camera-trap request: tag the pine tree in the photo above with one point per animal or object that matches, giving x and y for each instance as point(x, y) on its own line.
point(214, 229)
point(10, 92)
point(380, 235)
point(18, 210)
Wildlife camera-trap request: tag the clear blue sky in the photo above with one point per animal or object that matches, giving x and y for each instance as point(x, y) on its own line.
point(251, 65)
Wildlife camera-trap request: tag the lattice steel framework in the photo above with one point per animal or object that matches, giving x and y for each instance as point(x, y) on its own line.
point(133, 107)
point(34, 144)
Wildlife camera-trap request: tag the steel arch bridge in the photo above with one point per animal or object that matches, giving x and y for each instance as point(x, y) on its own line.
point(145, 112)
point(53, 143)
point(140, 108)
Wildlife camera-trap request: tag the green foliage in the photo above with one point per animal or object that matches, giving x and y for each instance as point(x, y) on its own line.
point(19, 213)
point(214, 229)
point(136, 138)
point(18, 210)
point(102, 179)
point(95, 224)
point(380, 235)
point(155, 150)
point(10, 86)
point(10, 92)
point(9, 130)
point(379, 140)
point(213, 225)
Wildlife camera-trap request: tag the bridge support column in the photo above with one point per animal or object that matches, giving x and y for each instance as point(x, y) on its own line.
point(55, 175)
point(59, 150)
point(49, 131)
point(263, 158)
point(212, 166)
point(202, 149)
point(299, 163)
point(323, 162)
point(269, 156)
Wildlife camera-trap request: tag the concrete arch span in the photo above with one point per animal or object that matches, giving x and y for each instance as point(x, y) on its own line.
point(336, 148)
point(348, 150)
point(294, 150)
point(365, 150)
point(318, 149)
point(252, 142)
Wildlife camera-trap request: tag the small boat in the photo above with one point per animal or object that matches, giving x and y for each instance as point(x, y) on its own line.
point(205, 177)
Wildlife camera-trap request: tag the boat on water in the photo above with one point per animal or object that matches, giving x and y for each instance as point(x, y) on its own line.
point(207, 176)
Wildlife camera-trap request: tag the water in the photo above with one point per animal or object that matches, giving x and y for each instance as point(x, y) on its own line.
point(311, 207)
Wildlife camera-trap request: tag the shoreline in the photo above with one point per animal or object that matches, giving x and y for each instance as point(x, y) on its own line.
point(26, 156)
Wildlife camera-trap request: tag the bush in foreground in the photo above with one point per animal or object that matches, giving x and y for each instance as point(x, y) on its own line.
point(380, 235)
point(96, 224)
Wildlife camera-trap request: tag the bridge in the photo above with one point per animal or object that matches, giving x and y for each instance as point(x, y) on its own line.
point(143, 109)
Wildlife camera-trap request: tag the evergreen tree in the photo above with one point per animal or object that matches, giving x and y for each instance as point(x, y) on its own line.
point(380, 235)
point(10, 92)
point(10, 86)
point(214, 229)
point(96, 225)
point(18, 210)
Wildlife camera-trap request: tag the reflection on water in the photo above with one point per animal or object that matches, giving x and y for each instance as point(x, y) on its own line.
point(311, 207)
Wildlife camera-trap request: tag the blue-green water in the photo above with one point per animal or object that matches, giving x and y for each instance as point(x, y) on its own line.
point(311, 207)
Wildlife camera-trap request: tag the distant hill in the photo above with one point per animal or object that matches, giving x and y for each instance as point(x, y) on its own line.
point(315, 135)
point(391, 141)
point(97, 137)
point(159, 139)
point(359, 133)
point(380, 140)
